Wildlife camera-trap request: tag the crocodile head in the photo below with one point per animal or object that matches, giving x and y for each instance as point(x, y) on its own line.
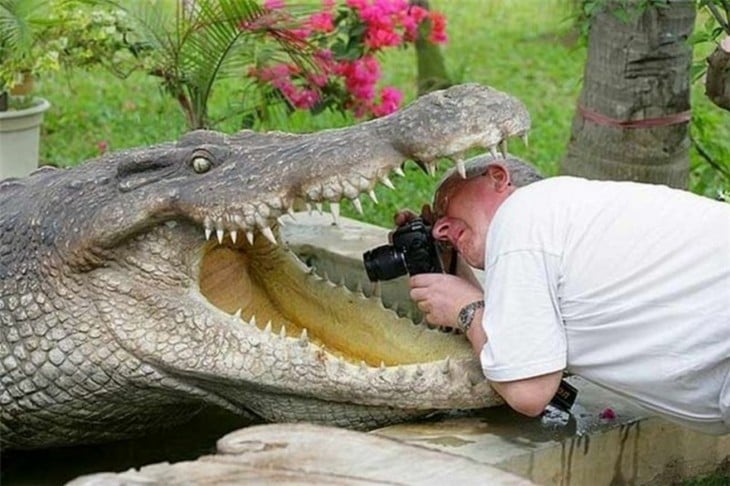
point(139, 285)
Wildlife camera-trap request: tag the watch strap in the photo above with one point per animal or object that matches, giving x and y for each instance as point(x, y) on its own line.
point(466, 315)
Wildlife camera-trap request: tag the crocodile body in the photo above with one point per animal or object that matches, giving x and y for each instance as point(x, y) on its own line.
point(143, 284)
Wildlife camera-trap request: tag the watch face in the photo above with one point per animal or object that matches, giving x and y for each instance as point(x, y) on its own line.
point(465, 315)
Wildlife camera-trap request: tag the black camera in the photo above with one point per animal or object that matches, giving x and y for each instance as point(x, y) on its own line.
point(413, 251)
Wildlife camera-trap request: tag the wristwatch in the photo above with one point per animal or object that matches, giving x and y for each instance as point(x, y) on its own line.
point(466, 315)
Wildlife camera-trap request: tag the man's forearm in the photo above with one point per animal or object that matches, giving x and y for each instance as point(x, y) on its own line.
point(528, 396)
point(476, 335)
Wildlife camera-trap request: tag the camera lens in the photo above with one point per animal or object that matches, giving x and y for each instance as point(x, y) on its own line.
point(384, 263)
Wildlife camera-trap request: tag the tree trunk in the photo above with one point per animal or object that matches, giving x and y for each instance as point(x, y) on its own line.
point(632, 121)
point(432, 73)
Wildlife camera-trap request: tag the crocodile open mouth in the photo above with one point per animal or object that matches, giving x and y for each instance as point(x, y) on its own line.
point(267, 286)
point(244, 269)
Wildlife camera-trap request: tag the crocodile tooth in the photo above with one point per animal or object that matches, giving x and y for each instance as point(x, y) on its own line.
point(319, 207)
point(493, 151)
point(445, 365)
point(335, 211)
point(431, 168)
point(358, 205)
point(400, 373)
point(219, 234)
point(234, 236)
point(303, 339)
point(253, 321)
point(249, 237)
point(461, 168)
point(238, 313)
point(525, 139)
point(371, 193)
point(363, 366)
point(208, 232)
point(377, 291)
point(264, 210)
point(290, 212)
point(282, 331)
point(386, 182)
point(382, 365)
point(399, 172)
point(269, 234)
point(503, 148)
point(267, 329)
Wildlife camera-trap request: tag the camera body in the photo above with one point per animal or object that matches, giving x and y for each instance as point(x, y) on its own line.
point(413, 251)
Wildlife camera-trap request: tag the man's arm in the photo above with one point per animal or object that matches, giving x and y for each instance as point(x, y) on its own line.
point(440, 297)
point(531, 395)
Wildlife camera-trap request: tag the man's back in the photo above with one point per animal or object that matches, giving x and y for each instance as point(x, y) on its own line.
point(638, 281)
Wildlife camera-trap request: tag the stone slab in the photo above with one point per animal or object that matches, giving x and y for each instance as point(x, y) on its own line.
point(312, 454)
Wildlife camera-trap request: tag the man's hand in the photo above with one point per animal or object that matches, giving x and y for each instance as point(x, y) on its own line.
point(441, 296)
point(405, 215)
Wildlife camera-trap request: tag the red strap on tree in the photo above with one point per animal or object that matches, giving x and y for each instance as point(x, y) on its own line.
point(663, 121)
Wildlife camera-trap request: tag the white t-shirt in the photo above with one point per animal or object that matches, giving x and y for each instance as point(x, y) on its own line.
point(625, 284)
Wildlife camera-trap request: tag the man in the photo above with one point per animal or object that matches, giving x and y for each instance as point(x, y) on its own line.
point(624, 284)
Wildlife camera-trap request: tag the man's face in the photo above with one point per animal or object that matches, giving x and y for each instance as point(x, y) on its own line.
point(462, 220)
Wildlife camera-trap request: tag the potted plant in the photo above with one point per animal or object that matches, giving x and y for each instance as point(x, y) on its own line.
point(22, 57)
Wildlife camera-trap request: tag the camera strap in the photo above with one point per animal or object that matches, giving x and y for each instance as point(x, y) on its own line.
point(453, 261)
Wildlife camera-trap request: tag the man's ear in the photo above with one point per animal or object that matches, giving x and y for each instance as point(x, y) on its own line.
point(500, 175)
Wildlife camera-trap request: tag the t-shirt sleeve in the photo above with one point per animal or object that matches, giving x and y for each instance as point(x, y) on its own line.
point(525, 332)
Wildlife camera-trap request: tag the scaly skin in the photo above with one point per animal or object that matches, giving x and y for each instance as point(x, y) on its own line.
point(143, 284)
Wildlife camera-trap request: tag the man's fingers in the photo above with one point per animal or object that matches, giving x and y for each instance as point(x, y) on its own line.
point(403, 216)
point(427, 214)
point(418, 294)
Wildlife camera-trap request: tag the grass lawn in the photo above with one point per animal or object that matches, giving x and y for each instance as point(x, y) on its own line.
point(523, 47)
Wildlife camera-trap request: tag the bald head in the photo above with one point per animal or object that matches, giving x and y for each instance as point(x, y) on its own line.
point(521, 174)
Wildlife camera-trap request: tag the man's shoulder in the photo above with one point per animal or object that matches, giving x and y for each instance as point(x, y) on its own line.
point(543, 194)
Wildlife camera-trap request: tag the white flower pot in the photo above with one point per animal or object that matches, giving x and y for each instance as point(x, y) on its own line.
point(20, 133)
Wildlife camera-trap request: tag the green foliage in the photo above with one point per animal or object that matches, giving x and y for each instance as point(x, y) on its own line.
point(192, 47)
point(716, 479)
point(523, 47)
point(24, 29)
point(583, 11)
point(714, 21)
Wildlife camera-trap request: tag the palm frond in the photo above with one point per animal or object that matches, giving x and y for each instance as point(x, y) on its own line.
point(17, 21)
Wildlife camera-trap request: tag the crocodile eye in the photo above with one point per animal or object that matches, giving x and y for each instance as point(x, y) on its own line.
point(201, 165)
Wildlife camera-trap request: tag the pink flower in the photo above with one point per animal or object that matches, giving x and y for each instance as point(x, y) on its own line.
point(377, 38)
point(357, 4)
point(360, 77)
point(322, 22)
point(390, 100)
point(102, 146)
point(305, 99)
point(438, 28)
point(274, 4)
point(410, 22)
point(607, 414)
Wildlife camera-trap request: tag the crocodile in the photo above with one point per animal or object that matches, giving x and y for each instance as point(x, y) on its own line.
point(147, 283)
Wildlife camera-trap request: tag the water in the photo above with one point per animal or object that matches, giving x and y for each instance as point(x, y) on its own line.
point(59, 465)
